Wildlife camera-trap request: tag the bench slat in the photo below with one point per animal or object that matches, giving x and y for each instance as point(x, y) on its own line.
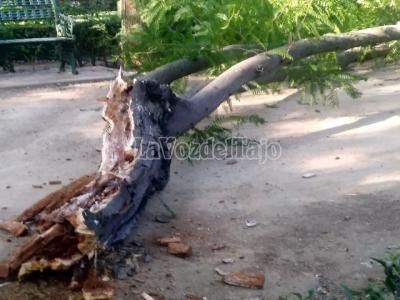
point(26, 14)
point(4, 3)
point(35, 40)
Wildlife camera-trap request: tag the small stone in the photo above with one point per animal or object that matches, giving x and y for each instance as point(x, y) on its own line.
point(217, 247)
point(37, 186)
point(251, 223)
point(309, 175)
point(8, 187)
point(163, 219)
point(55, 182)
point(228, 261)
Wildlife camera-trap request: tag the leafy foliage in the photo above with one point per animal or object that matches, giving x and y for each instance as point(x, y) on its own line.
point(172, 29)
point(320, 78)
point(218, 132)
point(387, 289)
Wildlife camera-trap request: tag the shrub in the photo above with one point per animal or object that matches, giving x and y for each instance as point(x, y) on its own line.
point(96, 36)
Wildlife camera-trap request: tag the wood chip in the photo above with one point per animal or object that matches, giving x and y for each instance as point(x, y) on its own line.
point(94, 288)
point(251, 280)
point(152, 296)
point(13, 227)
point(193, 297)
point(217, 247)
point(4, 271)
point(146, 296)
point(179, 249)
point(165, 241)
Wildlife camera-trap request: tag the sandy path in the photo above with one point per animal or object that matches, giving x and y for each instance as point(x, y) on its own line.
point(312, 232)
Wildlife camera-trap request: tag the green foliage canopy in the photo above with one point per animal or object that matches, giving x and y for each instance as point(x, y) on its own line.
point(172, 29)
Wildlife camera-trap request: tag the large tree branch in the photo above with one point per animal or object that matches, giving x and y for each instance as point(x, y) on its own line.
point(186, 66)
point(189, 113)
point(358, 54)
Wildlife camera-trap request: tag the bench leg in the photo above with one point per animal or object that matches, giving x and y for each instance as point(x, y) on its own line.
point(73, 62)
point(68, 53)
point(62, 58)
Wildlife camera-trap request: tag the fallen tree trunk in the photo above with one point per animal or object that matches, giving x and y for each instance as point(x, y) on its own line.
point(102, 209)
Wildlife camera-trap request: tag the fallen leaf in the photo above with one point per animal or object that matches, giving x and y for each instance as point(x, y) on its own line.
point(179, 249)
point(251, 280)
point(168, 240)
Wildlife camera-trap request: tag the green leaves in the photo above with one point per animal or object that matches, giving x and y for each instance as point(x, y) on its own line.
point(172, 29)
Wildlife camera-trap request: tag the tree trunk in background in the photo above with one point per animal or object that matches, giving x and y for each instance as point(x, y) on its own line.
point(128, 13)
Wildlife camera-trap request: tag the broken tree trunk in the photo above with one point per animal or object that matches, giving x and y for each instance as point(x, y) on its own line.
point(101, 208)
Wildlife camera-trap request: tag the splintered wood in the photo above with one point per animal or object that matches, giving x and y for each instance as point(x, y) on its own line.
point(251, 280)
point(60, 238)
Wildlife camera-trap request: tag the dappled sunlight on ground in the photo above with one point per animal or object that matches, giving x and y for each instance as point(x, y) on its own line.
point(392, 122)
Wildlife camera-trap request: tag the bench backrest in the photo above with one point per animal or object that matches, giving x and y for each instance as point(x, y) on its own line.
point(23, 10)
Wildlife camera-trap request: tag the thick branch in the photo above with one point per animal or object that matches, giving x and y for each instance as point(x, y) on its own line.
point(189, 113)
point(186, 66)
point(358, 54)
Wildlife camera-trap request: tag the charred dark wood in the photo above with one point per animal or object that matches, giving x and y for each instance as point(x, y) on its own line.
point(152, 106)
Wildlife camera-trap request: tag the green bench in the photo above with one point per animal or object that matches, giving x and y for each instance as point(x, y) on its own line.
point(17, 12)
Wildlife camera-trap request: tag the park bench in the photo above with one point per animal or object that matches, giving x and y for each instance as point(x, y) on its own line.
point(17, 12)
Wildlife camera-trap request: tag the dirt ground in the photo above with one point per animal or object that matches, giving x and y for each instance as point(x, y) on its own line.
point(311, 233)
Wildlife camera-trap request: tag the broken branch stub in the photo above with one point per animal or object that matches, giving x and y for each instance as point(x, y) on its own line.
point(152, 106)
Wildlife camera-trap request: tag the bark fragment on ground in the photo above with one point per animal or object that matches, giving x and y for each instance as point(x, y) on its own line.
point(251, 280)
